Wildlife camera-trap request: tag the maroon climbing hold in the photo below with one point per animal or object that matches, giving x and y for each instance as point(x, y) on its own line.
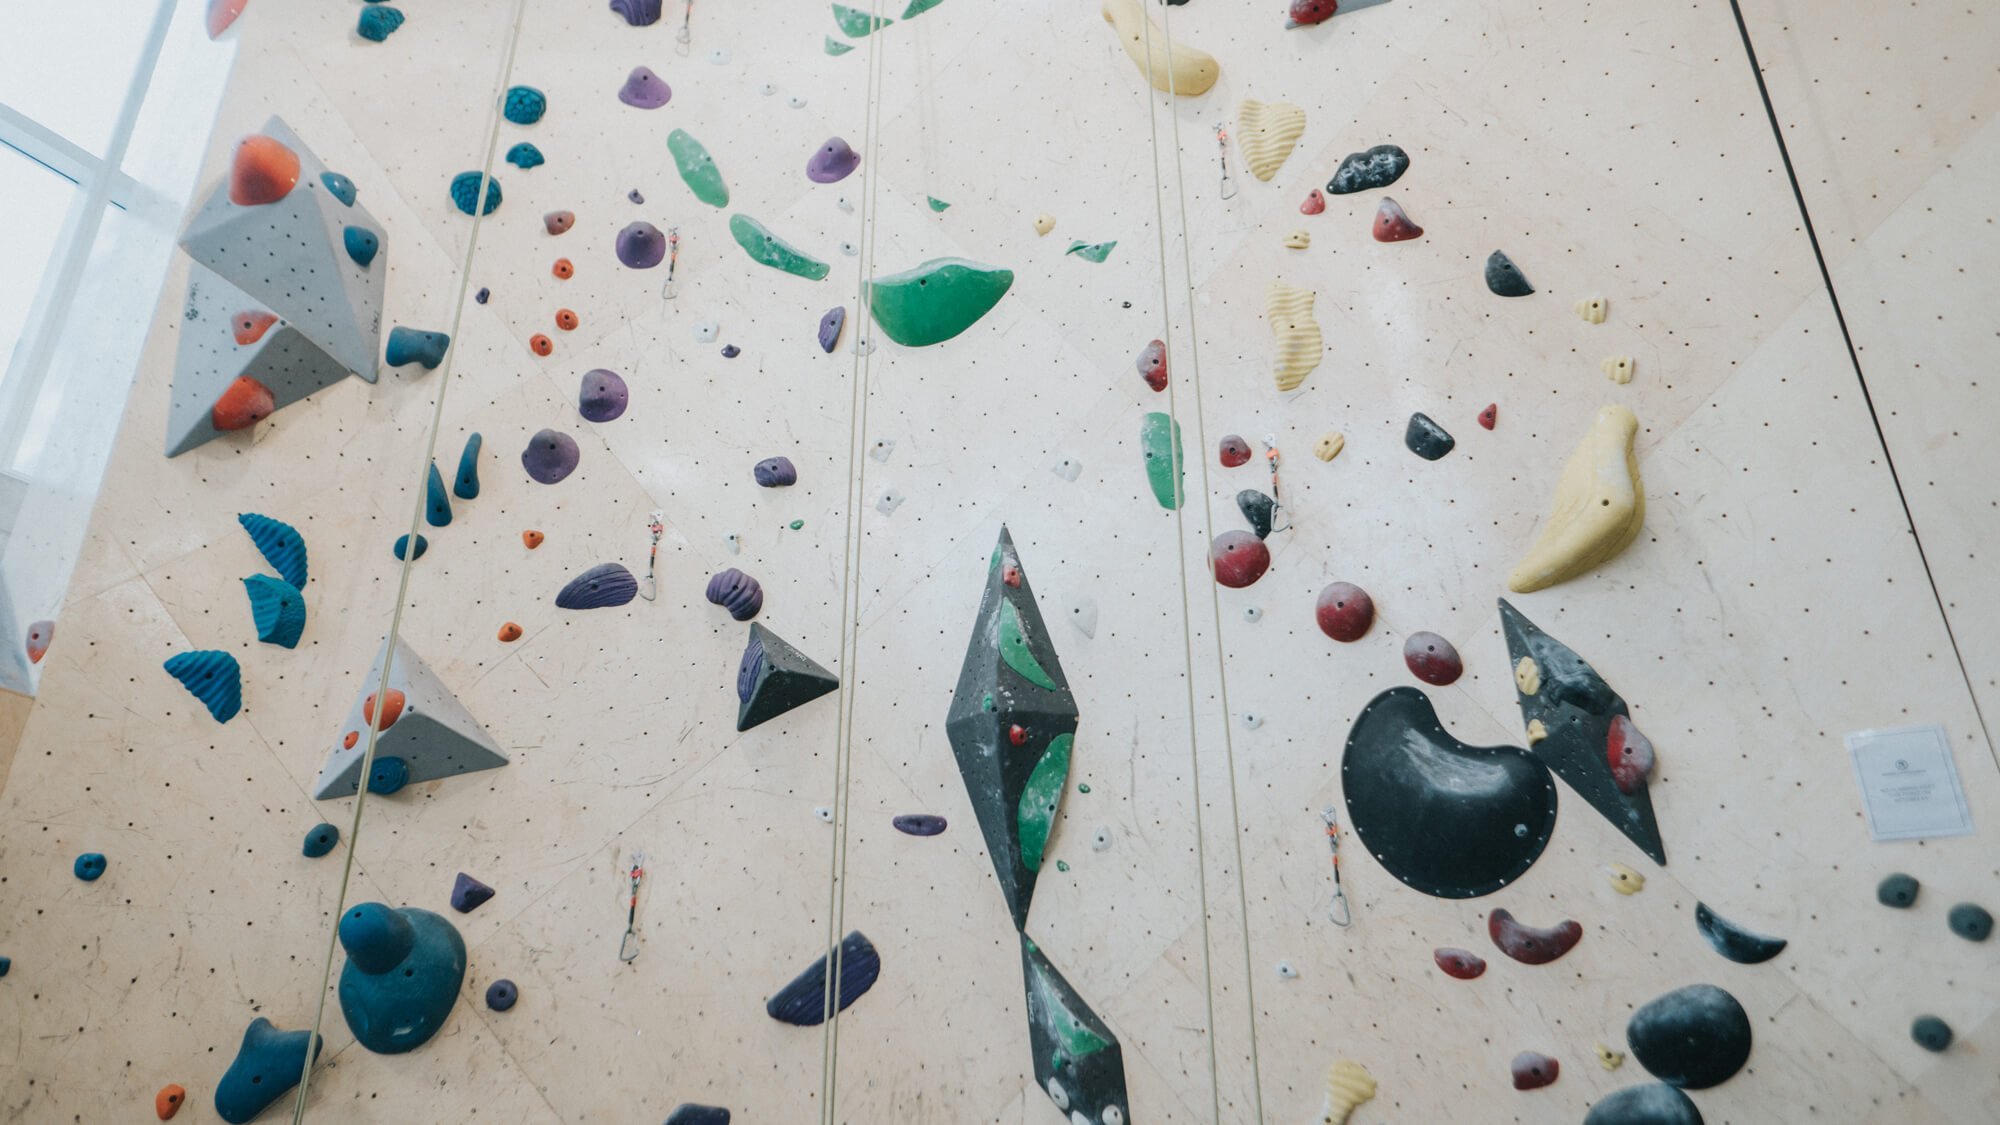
point(641, 246)
point(1345, 611)
point(1239, 558)
point(556, 222)
point(550, 456)
point(1490, 415)
point(1528, 944)
point(1461, 963)
point(603, 395)
point(1314, 204)
point(1534, 1070)
point(1233, 451)
point(1305, 13)
point(1629, 753)
point(1392, 225)
point(832, 162)
point(1152, 365)
point(1432, 659)
point(645, 90)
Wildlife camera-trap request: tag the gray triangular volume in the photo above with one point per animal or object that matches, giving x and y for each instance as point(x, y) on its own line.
point(1577, 709)
point(1075, 1052)
point(291, 255)
point(774, 678)
point(1012, 679)
point(209, 359)
point(434, 735)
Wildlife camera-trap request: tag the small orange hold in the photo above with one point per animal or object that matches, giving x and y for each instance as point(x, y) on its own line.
point(251, 324)
point(540, 344)
point(353, 737)
point(39, 636)
point(263, 171)
point(563, 269)
point(510, 632)
point(168, 1101)
point(566, 320)
point(532, 538)
point(391, 710)
point(246, 403)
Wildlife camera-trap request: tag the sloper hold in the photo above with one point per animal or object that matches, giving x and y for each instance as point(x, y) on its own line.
point(770, 250)
point(361, 244)
point(466, 485)
point(935, 301)
point(1657, 1104)
point(475, 190)
point(802, 1003)
point(413, 345)
point(1011, 678)
point(1172, 69)
point(638, 13)
point(434, 737)
point(263, 170)
point(604, 586)
point(773, 677)
point(1599, 507)
point(1451, 820)
point(1290, 313)
point(1505, 278)
point(277, 608)
point(1578, 710)
point(404, 968)
point(1160, 445)
point(697, 169)
point(1694, 1037)
point(211, 676)
point(1733, 941)
point(1267, 131)
point(266, 1067)
point(282, 546)
point(1078, 1062)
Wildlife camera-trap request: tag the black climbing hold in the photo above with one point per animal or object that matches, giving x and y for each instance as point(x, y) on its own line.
point(1645, 1105)
point(1426, 438)
point(1970, 921)
point(1898, 890)
point(1077, 1059)
point(501, 994)
point(688, 1113)
point(774, 678)
point(1504, 277)
point(1359, 171)
point(469, 894)
point(803, 1002)
point(320, 840)
point(1733, 941)
point(1259, 509)
point(1693, 1037)
point(1931, 1033)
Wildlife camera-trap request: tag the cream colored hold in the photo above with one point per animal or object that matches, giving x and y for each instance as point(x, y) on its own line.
point(1298, 240)
point(1599, 507)
point(1608, 1058)
point(1618, 369)
point(1536, 731)
point(1044, 223)
point(1299, 344)
point(1624, 880)
point(1348, 1085)
point(1183, 70)
point(1528, 676)
point(1592, 309)
point(1267, 132)
point(1329, 447)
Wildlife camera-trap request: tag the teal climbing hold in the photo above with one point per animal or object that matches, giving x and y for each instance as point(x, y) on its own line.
point(919, 7)
point(413, 345)
point(319, 840)
point(388, 776)
point(214, 678)
point(378, 22)
point(466, 486)
point(89, 866)
point(525, 105)
point(280, 545)
point(525, 156)
point(267, 1066)
point(768, 249)
point(403, 970)
point(1160, 444)
point(403, 541)
point(465, 192)
point(855, 23)
point(362, 245)
point(339, 186)
point(935, 301)
point(936, 203)
point(278, 609)
point(697, 168)
point(1091, 251)
point(437, 503)
point(836, 48)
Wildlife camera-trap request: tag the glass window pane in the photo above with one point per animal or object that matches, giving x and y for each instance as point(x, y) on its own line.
point(38, 201)
point(69, 65)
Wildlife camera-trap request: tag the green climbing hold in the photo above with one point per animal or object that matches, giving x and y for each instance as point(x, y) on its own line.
point(937, 300)
point(855, 23)
point(796, 524)
point(937, 204)
point(1083, 787)
point(698, 169)
point(1040, 799)
point(1014, 649)
point(919, 7)
point(763, 246)
point(1091, 251)
point(1160, 438)
point(836, 48)
point(1062, 865)
point(1046, 1005)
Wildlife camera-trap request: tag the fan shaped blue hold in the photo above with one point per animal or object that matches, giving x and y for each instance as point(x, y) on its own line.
point(362, 245)
point(403, 541)
point(89, 866)
point(466, 486)
point(403, 970)
point(688, 1113)
point(525, 156)
point(601, 587)
point(280, 544)
point(465, 192)
point(638, 13)
point(214, 677)
point(437, 503)
point(267, 1066)
point(414, 345)
point(378, 22)
point(320, 839)
point(389, 776)
point(525, 105)
point(340, 187)
point(278, 609)
point(736, 592)
point(803, 1002)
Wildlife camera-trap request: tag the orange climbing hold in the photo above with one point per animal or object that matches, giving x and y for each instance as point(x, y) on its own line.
point(168, 1101)
point(563, 269)
point(540, 344)
point(264, 171)
point(251, 324)
point(510, 632)
point(391, 710)
point(348, 742)
point(246, 403)
point(566, 320)
point(39, 636)
point(532, 538)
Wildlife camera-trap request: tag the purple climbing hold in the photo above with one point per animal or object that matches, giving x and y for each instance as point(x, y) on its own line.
point(775, 472)
point(603, 586)
point(550, 456)
point(644, 89)
point(638, 13)
point(830, 326)
point(469, 894)
point(603, 396)
point(731, 351)
point(641, 246)
point(919, 824)
point(484, 295)
point(501, 994)
point(736, 592)
point(832, 162)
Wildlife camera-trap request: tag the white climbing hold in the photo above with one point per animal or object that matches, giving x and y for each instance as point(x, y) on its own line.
point(796, 102)
point(1252, 614)
point(1286, 972)
point(882, 448)
point(719, 57)
point(1069, 468)
point(890, 501)
point(849, 249)
point(823, 813)
point(1252, 721)
point(768, 88)
point(705, 330)
point(844, 203)
point(1100, 840)
point(733, 541)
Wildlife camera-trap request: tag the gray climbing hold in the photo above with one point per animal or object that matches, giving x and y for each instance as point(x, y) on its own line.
point(1970, 921)
point(434, 736)
point(1376, 168)
point(1426, 438)
point(774, 677)
point(1898, 891)
point(1931, 1033)
point(1259, 509)
point(1694, 1037)
point(688, 1113)
point(1657, 1104)
point(1504, 277)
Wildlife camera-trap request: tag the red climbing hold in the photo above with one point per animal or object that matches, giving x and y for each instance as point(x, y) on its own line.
point(1392, 225)
point(391, 710)
point(264, 171)
point(1314, 204)
point(566, 320)
point(221, 13)
point(1529, 945)
point(1305, 13)
point(1432, 659)
point(251, 324)
point(540, 344)
point(1345, 611)
point(563, 269)
point(1017, 734)
point(1629, 753)
point(1490, 415)
point(1011, 575)
point(1534, 1070)
point(1233, 451)
point(1461, 963)
point(509, 633)
point(1239, 558)
point(246, 403)
point(531, 538)
point(1152, 365)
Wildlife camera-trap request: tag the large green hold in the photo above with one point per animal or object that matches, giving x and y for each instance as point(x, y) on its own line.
point(1036, 815)
point(763, 246)
point(937, 300)
point(855, 23)
point(698, 169)
point(1160, 439)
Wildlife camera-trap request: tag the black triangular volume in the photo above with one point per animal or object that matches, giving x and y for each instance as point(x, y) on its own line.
point(774, 678)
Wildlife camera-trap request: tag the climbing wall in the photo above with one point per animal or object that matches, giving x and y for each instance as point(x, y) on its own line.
point(1773, 601)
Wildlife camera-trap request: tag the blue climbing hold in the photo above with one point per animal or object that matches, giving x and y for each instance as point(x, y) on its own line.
point(89, 866)
point(378, 22)
point(389, 776)
point(6, 963)
point(469, 894)
point(466, 487)
point(437, 503)
point(267, 1066)
point(278, 609)
point(525, 156)
point(525, 105)
point(603, 586)
point(362, 245)
point(403, 970)
point(688, 1113)
point(214, 677)
point(320, 840)
point(501, 995)
point(465, 192)
point(340, 187)
point(403, 541)
point(803, 1001)
point(414, 345)
point(280, 544)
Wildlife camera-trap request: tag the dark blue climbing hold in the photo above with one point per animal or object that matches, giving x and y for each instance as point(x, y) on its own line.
point(414, 345)
point(501, 994)
point(1656, 1104)
point(775, 472)
point(214, 677)
point(525, 105)
point(320, 839)
point(1898, 891)
point(483, 295)
point(340, 187)
point(1970, 921)
point(803, 1002)
point(919, 824)
point(403, 541)
point(278, 609)
point(267, 1066)
point(525, 156)
point(1931, 1033)
point(638, 13)
point(389, 776)
point(731, 351)
point(1505, 278)
point(469, 894)
point(466, 485)
point(89, 866)
point(465, 192)
point(378, 22)
point(604, 586)
point(6, 963)
point(362, 245)
point(1426, 438)
point(280, 545)
point(403, 970)
point(437, 502)
point(688, 1113)
point(635, 197)
point(736, 592)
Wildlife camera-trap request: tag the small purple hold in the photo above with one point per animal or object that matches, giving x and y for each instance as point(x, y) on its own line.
point(603, 586)
point(641, 246)
point(919, 824)
point(551, 455)
point(736, 592)
point(829, 328)
point(645, 90)
point(776, 472)
point(731, 351)
point(483, 294)
point(469, 894)
point(638, 13)
point(832, 162)
point(603, 396)
point(634, 196)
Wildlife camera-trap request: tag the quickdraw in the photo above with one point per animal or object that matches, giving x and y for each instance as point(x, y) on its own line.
point(1338, 911)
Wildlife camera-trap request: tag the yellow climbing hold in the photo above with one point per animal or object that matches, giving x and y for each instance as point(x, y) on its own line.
point(1528, 676)
point(1593, 309)
point(1608, 1058)
point(1330, 446)
point(1290, 312)
point(1267, 131)
point(1599, 507)
point(1348, 1084)
point(1179, 69)
point(1618, 368)
point(1536, 731)
point(1298, 240)
point(1624, 880)
point(1044, 223)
